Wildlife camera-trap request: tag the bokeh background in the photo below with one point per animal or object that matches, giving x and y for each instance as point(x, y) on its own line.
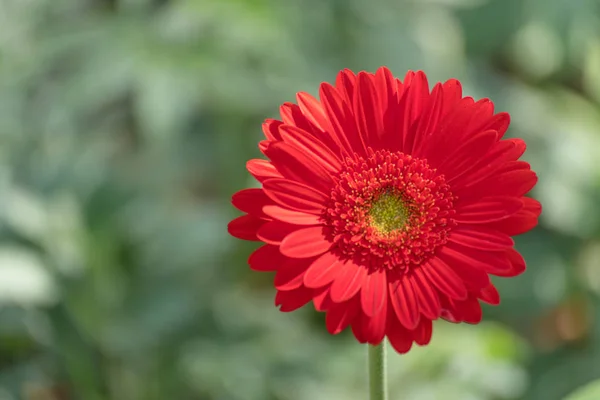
point(124, 129)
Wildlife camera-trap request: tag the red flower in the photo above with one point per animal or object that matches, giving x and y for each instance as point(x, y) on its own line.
point(388, 205)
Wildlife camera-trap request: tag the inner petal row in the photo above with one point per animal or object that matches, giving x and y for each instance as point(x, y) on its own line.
point(389, 210)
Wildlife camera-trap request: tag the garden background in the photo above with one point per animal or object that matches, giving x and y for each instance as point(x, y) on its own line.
point(125, 126)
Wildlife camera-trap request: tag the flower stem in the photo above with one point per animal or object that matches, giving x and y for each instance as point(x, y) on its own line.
point(377, 372)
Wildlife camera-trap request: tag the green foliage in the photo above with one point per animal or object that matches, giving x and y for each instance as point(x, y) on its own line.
point(124, 129)
point(590, 391)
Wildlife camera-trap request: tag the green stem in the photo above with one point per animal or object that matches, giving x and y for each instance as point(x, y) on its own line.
point(377, 372)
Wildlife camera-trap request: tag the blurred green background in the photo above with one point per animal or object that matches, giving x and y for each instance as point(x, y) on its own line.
point(125, 126)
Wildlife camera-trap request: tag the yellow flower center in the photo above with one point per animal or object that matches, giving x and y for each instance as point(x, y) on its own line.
point(388, 213)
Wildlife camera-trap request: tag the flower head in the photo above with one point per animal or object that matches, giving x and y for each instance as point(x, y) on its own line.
point(388, 205)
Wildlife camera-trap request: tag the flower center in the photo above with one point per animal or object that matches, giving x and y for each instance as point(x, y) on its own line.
point(389, 210)
point(388, 213)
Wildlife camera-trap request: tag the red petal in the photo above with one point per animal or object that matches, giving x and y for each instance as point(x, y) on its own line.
point(273, 232)
point(295, 195)
point(290, 275)
point(422, 335)
point(489, 209)
point(469, 310)
point(322, 300)
point(404, 302)
point(489, 262)
point(271, 129)
point(454, 162)
point(251, 201)
point(531, 205)
point(342, 121)
point(292, 115)
point(449, 312)
point(408, 77)
point(501, 153)
point(304, 243)
point(263, 145)
point(367, 110)
point(262, 169)
point(419, 94)
point(414, 98)
point(389, 101)
point(498, 122)
point(517, 264)
point(358, 328)
point(374, 292)
point(450, 132)
point(341, 315)
point(480, 116)
point(490, 295)
point(445, 279)
point(400, 338)
point(298, 166)
point(292, 217)
point(374, 327)
point(510, 183)
point(245, 227)
point(427, 296)
point(465, 267)
point(344, 83)
point(514, 166)
point(452, 90)
point(322, 271)
point(266, 258)
point(293, 299)
point(509, 149)
point(428, 121)
point(313, 111)
point(480, 238)
point(312, 146)
point(386, 88)
point(523, 221)
point(348, 282)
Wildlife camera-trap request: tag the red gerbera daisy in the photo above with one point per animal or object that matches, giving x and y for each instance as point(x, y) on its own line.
point(388, 205)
